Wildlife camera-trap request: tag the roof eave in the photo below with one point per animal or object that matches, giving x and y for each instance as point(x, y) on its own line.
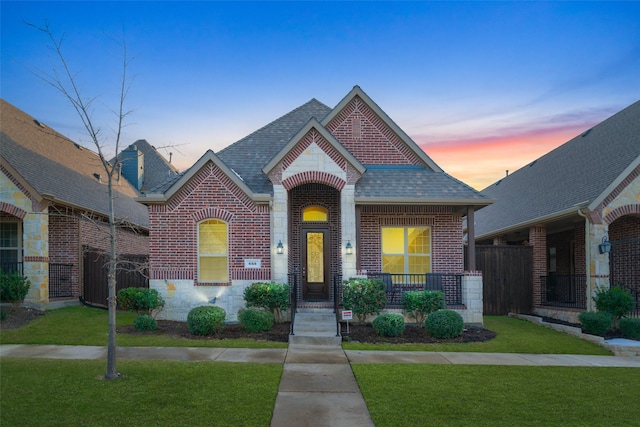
point(566, 213)
point(421, 201)
point(615, 183)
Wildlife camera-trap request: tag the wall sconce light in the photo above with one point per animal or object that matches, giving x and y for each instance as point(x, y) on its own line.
point(348, 248)
point(280, 248)
point(605, 246)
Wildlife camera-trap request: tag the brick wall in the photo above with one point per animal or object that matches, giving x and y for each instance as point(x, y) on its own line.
point(446, 234)
point(357, 123)
point(538, 239)
point(209, 194)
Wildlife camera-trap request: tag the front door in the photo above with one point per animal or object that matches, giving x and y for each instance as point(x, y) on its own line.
point(315, 264)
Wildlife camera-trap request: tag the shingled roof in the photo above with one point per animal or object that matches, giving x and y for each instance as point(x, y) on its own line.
point(157, 170)
point(425, 183)
point(578, 174)
point(52, 165)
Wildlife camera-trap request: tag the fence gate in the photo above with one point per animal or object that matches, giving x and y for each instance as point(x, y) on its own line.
point(624, 267)
point(507, 278)
point(132, 272)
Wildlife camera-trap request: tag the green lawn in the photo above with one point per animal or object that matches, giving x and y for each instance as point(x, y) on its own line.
point(80, 325)
point(40, 392)
point(513, 336)
point(457, 395)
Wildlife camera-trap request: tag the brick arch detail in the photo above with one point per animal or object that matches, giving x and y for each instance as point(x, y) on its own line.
point(12, 210)
point(309, 177)
point(622, 211)
point(212, 213)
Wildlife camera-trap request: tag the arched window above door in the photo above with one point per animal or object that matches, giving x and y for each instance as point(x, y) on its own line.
point(315, 214)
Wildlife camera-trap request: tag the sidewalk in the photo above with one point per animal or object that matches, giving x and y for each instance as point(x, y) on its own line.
point(279, 355)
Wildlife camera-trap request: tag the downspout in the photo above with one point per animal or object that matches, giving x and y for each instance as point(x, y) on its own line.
point(587, 255)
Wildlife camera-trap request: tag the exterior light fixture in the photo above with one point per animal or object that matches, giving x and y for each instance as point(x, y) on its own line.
point(348, 248)
point(280, 248)
point(605, 246)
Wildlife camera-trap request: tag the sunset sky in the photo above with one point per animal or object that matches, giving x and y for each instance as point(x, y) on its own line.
point(482, 87)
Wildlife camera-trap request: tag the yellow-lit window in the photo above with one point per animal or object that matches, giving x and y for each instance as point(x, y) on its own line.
point(406, 250)
point(213, 251)
point(315, 213)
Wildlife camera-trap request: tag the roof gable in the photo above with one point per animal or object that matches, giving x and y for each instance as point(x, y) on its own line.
point(357, 118)
point(157, 169)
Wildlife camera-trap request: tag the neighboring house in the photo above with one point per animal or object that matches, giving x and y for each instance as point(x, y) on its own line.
point(54, 206)
point(319, 195)
point(573, 205)
point(144, 167)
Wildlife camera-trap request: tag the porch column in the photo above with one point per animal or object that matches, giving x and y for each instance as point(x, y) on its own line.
point(348, 230)
point(279, 227)
point(471, 239)
point(538, 239)
point(598, 264)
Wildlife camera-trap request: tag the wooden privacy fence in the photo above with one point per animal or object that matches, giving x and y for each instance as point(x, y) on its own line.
point(507, 278)
point(132, 272)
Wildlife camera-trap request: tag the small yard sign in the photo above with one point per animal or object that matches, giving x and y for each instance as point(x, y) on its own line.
point(347, 314)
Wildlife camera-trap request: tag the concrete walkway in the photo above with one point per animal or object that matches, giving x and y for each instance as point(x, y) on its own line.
point(314, 355)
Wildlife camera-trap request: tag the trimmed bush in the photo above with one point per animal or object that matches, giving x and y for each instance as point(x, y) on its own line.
point(145, 322)
point(616, 300)
point(596, 323)
point(630, 328)
point(13, 288)
point(206, 320)
point(419, 304)
point(255, 320)
point(366, 297)
point(140, 300)
point(389, 325)
point(270, 296)
point(444, 324)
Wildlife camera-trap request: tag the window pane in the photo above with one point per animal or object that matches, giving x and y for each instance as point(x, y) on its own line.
point(419, 240)
point(213, 269)
point(419, 264)
point(315, 257)
point(315, 213)
point(213, 237)
point(8, 256)
point(9, 235)
point(393, 264)
point(392, 240)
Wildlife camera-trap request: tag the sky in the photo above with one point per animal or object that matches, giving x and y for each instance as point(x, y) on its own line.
point(481, 87)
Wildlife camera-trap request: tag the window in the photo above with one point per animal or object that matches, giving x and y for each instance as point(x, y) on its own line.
point(315, 213)
point(406, 250)
point(213, 251)
point(10, 251)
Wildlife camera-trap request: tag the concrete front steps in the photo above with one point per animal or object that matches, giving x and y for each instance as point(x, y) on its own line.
point(315, 326)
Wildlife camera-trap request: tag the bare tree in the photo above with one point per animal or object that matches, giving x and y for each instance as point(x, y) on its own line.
point(64, 81)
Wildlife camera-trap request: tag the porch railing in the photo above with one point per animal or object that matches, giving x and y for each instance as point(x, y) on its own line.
point(12, 267)
point(292, 278)
point(398, 284)
point(60, 283)
point(337, 300)
point(564, 290)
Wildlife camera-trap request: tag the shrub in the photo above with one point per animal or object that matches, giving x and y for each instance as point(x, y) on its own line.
point(596, 323)
point(270, 296)
point(366, 297)
point(140, 300)
point(389, 325)
point(145, 322)
point(419, 304)
point(630, 328)
point(444, 324)
point(616, 300)
point(13, 288)
point(255, 320)
point(206, 320)
point(3, 314)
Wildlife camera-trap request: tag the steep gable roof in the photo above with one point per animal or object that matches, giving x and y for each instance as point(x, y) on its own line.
point(578, 174)
point(249, 155)
point(54, 166)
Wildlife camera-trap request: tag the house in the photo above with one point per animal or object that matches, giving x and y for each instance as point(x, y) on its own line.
point(317, 196)
point(54, 209)
point(579, 208)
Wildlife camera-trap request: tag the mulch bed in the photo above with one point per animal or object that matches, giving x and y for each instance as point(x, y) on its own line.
point(18, 316)
point(280, 333)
